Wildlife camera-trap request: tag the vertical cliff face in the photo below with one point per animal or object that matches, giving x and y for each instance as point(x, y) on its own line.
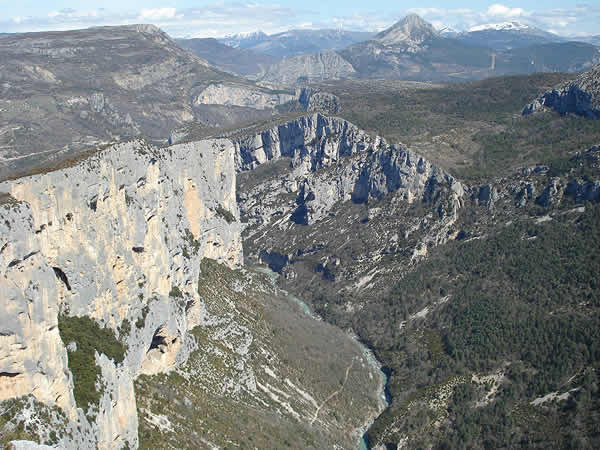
point(118, 238)
point(32, 355)
point(318, 162)
point(312, 142)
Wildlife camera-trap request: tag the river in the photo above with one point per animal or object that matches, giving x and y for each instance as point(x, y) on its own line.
point(366, 351)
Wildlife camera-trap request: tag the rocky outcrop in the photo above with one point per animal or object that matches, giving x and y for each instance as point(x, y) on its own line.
point(372, 175)
point(326, 65)
point(315, 164)
point(246, 96)
point(310, 99)
point(580, 96)
point(32, 355)
point(311, 142)
point(318, 101)
point(117, 237)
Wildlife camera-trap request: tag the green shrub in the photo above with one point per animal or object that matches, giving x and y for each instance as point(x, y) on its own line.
point(225, 214)
point(176, 292)
point(125, 329)
point(89, 337)
point(192, 243)
point(141, 322)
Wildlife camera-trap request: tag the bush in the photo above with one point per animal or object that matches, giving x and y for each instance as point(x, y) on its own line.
point(89, 337)
point(225, 214)
point(176, 292)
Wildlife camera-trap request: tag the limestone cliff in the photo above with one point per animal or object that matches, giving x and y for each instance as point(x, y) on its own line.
point(315, 100)
point(264, 98)
point(329, 184)
point(113, 300)
point(311, 142)
point(117, 237)
point(357, 167)
point(247, 96)
point(580, 96)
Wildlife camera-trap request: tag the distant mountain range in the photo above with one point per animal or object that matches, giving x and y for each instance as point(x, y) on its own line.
point(63, 92)
point(296, 42)
point(589, 39)
point(506, 36)
point(413, 49)
point(242, 61)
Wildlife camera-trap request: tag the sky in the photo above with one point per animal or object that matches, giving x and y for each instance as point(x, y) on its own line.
point(196, 18)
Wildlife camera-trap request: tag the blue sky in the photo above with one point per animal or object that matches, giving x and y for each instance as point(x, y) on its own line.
point(186, 18)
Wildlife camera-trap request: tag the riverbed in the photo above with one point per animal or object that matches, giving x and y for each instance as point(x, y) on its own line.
point(373, 362)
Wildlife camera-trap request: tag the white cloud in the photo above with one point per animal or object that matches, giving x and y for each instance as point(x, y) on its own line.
point(157, 14)
point(424, 12)
point(72, 14)
point(504, 12)
point(222, 18)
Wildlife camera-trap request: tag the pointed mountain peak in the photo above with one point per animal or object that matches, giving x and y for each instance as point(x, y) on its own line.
point(414, 20)
point(412, 29)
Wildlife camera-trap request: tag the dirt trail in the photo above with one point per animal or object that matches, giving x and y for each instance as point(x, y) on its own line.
point(334, 394)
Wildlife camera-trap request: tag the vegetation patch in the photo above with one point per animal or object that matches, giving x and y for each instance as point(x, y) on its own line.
point(25, 418)
point(141, 321)
point(175, 292)
point(192, 245)
point(527, 294)
point(225, 214)
point(7, 199)
point(89, 338)
point(125, 329)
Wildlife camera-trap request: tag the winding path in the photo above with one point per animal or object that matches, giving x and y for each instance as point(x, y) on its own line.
point(333, 394)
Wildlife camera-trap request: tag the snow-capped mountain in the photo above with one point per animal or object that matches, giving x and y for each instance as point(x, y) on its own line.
point(504, 26)
point(507, 35)
point(448, 31)
point(245, 39)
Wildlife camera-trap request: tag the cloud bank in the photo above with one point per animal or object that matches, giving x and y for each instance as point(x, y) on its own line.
point(221, 19)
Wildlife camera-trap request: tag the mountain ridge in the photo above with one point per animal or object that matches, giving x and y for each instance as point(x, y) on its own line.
point(297, 42)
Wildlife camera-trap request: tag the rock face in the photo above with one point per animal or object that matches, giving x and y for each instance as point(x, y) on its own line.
point(315, 101)
point(326, 65)
point(221, 94)
point(118, 238)
point(312, 142)
point(316, 168)
point(580, 96)
point(32, 355)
